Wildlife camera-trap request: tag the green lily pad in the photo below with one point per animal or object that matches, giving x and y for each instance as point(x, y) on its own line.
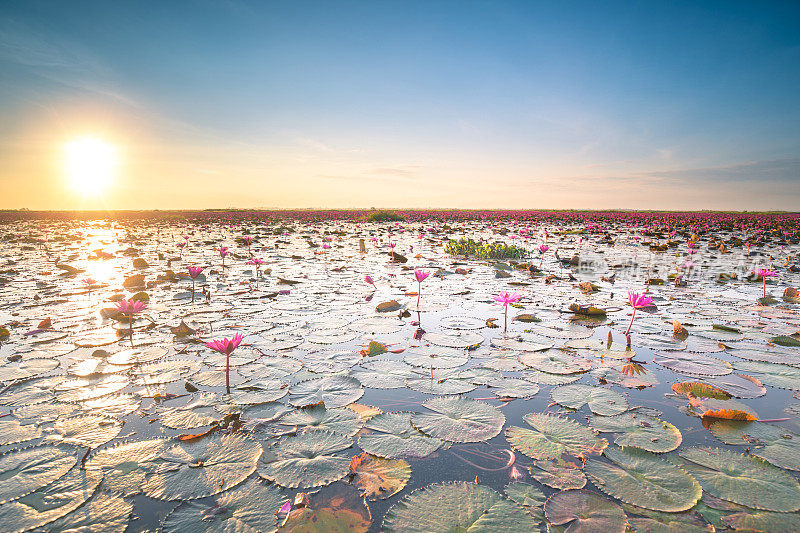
point(391, 435)
point(639, 430)
point(88, 430)
point(12, 432)
point(196, 469)
point(333, 391)
point(643, 479)
point(125, 466)
point(558, 474)
point(249, 507)
point(306, 459)
point(601, 401)
point(584, 512)
point(552, 436)
point(339, 420)
point(49, 503)
point(772, 443)
point(555, 362)
point(447, 507)
point(742, 479)
point(458, 419)
point(106, 513)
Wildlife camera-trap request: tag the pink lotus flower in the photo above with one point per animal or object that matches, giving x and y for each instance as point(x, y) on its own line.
point(420, 275)
point(223, 251)
point(637, 301)
point(764, 273)
point(130, 308)
point(543, 248)
point(506, 299)
point(89, 282)
point(226, 346)
point(368, 279)
point(515, 473)
point(193, 273)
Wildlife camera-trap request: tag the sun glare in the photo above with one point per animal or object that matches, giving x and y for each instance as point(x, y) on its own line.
point(90, 165)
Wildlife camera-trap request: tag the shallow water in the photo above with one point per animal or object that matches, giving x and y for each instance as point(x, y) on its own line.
point(320, 314)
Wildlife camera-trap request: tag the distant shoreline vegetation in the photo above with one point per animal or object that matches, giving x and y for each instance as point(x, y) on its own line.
point(533, 216)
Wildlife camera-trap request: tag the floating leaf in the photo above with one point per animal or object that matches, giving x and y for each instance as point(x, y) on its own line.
point(24, 471)
point(458, 419)
point(88, 430)
point(248, 507)
point(125, 467)
point(392, 436)
point(103, 512)
point(742, 479)
point(601, 401)
point(306, 459)
point(639, 430)
point(333, 391)
point(380, 478)
point(12, 432)
point(339, 508)
point(339, 420)
point(558, 474)
point(49, 503)
point(458, 506)
point(201, 468)
point(643, 479)
point(774, 444)
point(553, 436)
point(585, 512)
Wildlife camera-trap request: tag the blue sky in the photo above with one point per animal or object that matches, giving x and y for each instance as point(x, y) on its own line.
point(412, 104)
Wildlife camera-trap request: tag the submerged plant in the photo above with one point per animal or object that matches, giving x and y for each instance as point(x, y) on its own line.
point(130, 308)
point(226, 346)
point(506, 299)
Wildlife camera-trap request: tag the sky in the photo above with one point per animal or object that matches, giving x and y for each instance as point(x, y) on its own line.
point(430, 104)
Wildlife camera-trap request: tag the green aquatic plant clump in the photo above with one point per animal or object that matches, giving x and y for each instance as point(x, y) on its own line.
point(382, 215)
point(481, 250)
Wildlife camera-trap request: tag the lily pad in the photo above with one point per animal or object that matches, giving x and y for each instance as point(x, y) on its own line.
point(742, 479)
point(553, 436)
point(446, 507)
point(392, 436)
point(772, 443)
point(196, 469)
point(24, 471)
point(306, 459)
point(584, 512)
point(643, 479)
point(601, 401)
point(458, 419)
point(333, 391)
point(249, 507)
point(378, 478)
point(640, 431)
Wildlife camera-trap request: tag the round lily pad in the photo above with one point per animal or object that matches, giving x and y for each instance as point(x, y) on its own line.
point(339, 420)
point(458, 419)
point(196, 469)
point(583, 512)
point(392, 436)
point(639, 430)
point(445, 507)
point(333, 391)
point(742, 479)
point(552, 436)
point(643, 479)
point(601, 401)
point(306, 459)
point(248, 507)
point(772, 443)
point(24, 471)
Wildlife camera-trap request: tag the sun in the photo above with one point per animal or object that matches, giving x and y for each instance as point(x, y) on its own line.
point(90, 164)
